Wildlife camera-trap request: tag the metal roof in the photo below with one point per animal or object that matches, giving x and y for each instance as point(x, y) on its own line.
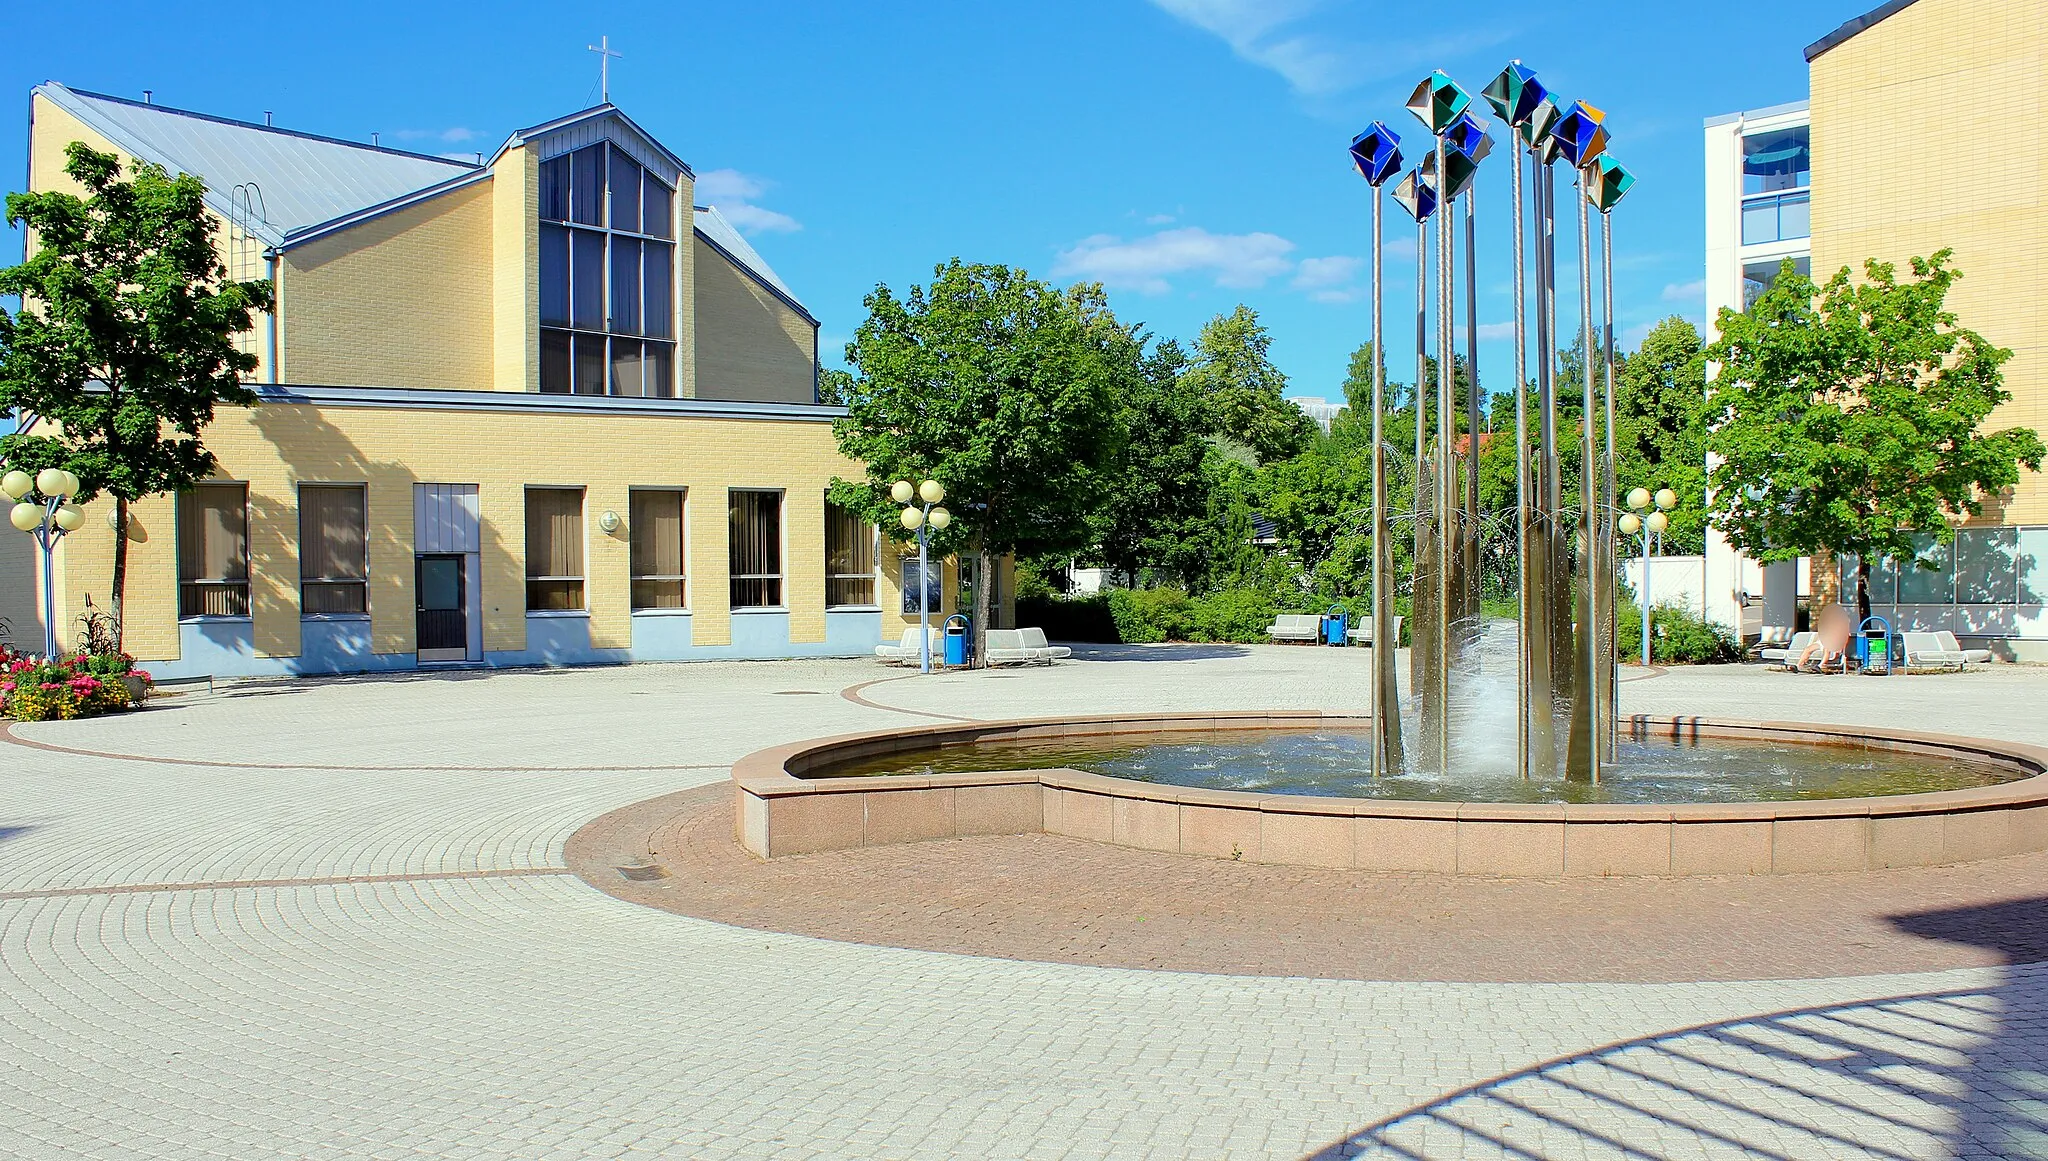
point(304, 179)
point(721, 234)
point(1850, 28)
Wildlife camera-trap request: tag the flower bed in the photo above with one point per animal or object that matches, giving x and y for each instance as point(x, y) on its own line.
point(80, 686)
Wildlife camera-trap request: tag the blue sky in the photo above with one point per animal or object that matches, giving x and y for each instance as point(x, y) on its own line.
point(1189, 153)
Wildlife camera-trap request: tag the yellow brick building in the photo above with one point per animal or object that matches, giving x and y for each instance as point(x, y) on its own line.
point(540, 408)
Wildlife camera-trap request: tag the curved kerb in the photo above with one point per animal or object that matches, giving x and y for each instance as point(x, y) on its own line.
point(780, 812)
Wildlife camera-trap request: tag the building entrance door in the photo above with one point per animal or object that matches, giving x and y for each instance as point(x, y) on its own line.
point(443, 618)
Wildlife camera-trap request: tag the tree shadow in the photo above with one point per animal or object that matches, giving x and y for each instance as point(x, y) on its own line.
point(1183, 651)
point(1960, 1073)
point(8, 832)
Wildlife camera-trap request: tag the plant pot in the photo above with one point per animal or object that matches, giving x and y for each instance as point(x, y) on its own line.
point(138, 689)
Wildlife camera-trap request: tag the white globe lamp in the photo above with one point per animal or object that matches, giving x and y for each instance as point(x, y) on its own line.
point(26, 517)
point(930, 492)
point(901, 491)
point(912, 519)
point(941, 518)
point(1630, 524)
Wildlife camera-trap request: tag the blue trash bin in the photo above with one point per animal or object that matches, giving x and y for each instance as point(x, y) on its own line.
point(1335, 624)
point(959, 642)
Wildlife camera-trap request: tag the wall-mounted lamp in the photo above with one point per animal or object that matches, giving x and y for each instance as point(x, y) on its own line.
point(609, 521)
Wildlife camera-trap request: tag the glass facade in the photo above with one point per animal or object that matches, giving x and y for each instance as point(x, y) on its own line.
point(607, 274)
point(1984, 567)
point(1758, 276)
point(1777, 174)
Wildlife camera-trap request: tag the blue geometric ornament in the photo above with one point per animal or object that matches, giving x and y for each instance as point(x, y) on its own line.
point(1580, 137)
point(1377, 153)
point(1515, 93)
point(1416, 195)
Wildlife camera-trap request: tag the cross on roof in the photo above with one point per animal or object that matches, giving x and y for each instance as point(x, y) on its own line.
point(605, 53)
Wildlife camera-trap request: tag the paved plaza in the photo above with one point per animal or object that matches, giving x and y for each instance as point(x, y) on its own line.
point(338, 919)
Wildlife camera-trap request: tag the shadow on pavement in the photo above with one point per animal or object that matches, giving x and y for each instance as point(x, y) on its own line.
point(1181, 652)
point(1949, 1074)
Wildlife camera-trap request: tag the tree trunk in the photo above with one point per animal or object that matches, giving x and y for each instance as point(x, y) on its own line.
point(984, 582)
point(120, 587)
point(1862, 589)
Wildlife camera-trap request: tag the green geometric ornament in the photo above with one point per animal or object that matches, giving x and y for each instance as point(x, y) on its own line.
point(1537, 130)
point(1515, 93)
point(1437, 101)
point(1607, 180)
point(1459, 173)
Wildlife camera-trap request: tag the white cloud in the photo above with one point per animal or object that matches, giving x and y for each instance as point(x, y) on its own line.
point(454, 136)
point(1144, 264)
point(1492, 332)
point(1262, 32)
point(1633, 337)
point(1316, 273)
point(1159, 220)
point(734, 193)
point(1686, 292)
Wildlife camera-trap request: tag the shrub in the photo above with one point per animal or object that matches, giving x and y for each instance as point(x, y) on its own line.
point(1084, 618)
point(1677, 637)
point(1145, 615)
point(35, 690)
point(1239, 615)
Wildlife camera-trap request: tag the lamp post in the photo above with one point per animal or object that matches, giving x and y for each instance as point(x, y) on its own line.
point(1654, 524)
point(47, 517)
point(920, 513)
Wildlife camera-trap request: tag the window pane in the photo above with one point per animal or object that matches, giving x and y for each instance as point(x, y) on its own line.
point(660, 369)
point(586, 202)
point(1760, 221)
point(333, 541)
point(849, 558)
point(658, 216)
point(554, 362)
point(213, 550)
point(590, 365)
point(659, 318)
point(1777, 161)
point(1795, 216)
point(335, 597)
point(755, 520)
point(626, 367)
point(588, 274)
point(625, 187)
point(2033, 566)
point(554, 276)
point(554, 189)
point(554, 548)
point(656, 532)
point(625, 317)
point(1987, 566)
point(1923, 586)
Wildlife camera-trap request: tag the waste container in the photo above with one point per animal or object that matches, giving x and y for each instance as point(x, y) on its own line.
point(959, 642)
point(1874, 654)
point(1335, 622)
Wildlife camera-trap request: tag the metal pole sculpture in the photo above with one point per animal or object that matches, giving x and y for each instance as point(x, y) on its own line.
point(1377, 155)
point(1416, 195)
point(1438, 102)
point(1608, 180)
point(1516, 96)
point(1582, 140)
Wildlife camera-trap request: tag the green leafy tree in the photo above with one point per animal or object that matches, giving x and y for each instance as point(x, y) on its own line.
point(834, 386)
point(1157, 503)
point(1244, 391)
point(1005, 390)
point(125, 341)
point(1660, 438)
point(1848, 417)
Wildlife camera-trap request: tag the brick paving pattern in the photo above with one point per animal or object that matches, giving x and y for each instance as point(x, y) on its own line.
point(355, 944)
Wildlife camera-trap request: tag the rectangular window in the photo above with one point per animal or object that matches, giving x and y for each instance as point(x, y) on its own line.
point(625, 287)
point(849, 558)
point(334, 549)
point(554, 190)
point(586, 198)
point(554, 276)
point(590, 365)
point(1778, 160)
point(586, 274)
point(659, 281)
point(658, 209)
point(554, 549)
point(627, 368)
point(1987, 566)
point(755, 520)
point(1928, 586)
point(2033, 566)
point(625, 189)
point(555, 375)
point(911, 586)
point(656, 530)
point(213, 550)
point(661, 370)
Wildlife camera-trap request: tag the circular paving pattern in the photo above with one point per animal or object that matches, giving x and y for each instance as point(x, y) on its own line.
point(1067, 900)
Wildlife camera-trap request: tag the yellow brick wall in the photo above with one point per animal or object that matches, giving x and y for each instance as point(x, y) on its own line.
point(1930, 130)
point(750, 344)
point(276, 447)
point(686, 287)
point(403, 300)
point(515, 274)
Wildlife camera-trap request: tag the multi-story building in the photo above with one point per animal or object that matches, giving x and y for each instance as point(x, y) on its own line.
point(538, 408)
point(1929, 130)
point(1759, 168)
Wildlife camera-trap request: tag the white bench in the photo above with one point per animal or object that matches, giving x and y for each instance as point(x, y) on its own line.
point(1306, 627)
point(1362, 634)
point(1970, 656)
point(1034, 640)
point(1787, 653)
point(906, 651)
point(1006, 647)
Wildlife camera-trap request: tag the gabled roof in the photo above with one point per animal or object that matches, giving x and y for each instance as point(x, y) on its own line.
point(1852, 27)
point(713, 228)
point(303, 179)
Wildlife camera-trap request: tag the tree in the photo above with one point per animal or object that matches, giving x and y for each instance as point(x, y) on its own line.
point(1660, 438)
point(1851, 424)
point(125, 340)
point(1158, 497)
point(1245, 392)
point(1005, 390)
